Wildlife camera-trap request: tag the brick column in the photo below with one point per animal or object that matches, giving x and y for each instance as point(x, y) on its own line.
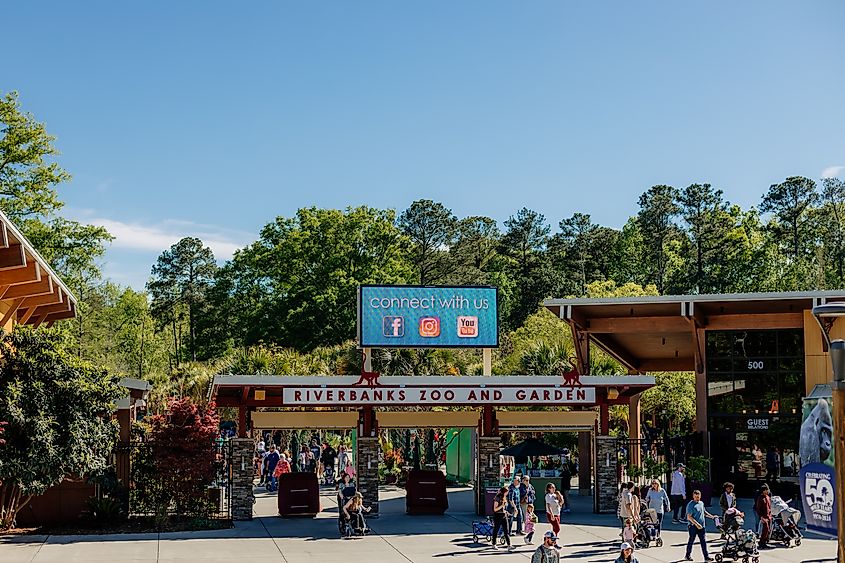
point(243, 474)
point(607, 483)
point(366, 466)
point(488, 469)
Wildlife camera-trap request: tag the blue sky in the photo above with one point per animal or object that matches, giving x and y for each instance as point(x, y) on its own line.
point(211, 118)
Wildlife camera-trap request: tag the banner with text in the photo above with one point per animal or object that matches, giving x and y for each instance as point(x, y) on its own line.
point(402, 316)
point(438, 396)
point(817, 477)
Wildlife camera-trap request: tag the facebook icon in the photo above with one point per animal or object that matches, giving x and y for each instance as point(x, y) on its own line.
point(393, 327)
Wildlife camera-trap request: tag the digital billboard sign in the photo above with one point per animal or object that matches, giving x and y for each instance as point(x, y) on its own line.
point(404, 316)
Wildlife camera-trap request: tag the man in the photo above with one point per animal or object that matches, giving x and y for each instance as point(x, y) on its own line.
point(513, 501)
point(270, 462)
point(328, 458)
point(527, 495)
point(772, 464)
point(566, 480)
point(678, 493)
point(546, 553)
point(696, 525)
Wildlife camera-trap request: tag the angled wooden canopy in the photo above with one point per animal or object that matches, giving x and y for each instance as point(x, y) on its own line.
point(30, 291)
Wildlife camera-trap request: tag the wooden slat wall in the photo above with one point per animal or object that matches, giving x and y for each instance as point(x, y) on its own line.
point(818, 369)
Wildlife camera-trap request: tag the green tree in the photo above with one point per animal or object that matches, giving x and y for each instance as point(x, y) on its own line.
point(792, 230)
point(656, 220)
point(430, 227)
point(671, 402)
point(297, 285)
point(59, 414)
point(832, 216)
point(709, 224)
point(524, 242)
point(583, 252)
point(180, 279)
point(473, 256)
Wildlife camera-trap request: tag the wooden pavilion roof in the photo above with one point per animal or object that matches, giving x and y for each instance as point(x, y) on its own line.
point(30, 291)
point(664, 333)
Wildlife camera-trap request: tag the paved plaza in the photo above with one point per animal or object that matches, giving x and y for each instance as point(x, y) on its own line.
point(396, 537)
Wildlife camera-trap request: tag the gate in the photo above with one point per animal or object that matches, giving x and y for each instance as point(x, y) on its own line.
point(654, 457)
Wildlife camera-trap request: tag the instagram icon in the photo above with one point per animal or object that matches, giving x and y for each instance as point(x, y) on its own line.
point(430, 327)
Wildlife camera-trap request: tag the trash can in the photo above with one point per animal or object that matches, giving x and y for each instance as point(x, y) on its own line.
point(299, 494)
point(425, 492)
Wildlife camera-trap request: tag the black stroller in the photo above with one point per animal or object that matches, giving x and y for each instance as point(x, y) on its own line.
point(647, 530)
point(785, 523)
point(739, 543)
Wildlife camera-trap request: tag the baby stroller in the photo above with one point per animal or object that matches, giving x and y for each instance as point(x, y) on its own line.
point(647, 529)
point(785, 523)
point(739, 543)
point(484, 529)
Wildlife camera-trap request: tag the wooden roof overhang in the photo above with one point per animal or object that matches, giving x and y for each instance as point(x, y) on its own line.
point(240, 390)
point(663, 333)
point(31, 292)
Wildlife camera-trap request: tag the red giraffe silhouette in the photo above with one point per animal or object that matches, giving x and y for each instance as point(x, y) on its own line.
point(572, 378)
point(368, 378)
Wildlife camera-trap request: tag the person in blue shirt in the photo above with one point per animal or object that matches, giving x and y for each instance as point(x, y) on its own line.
point(696, 525)
point(513, 506)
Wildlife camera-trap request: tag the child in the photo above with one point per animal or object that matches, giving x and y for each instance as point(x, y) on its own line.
point(530, 520)
point(628, 532)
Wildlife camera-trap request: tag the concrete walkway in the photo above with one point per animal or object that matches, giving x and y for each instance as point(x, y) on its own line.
point(396, 537)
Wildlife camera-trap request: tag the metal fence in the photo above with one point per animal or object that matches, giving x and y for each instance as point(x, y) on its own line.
point(133, 463)
point(652, 450)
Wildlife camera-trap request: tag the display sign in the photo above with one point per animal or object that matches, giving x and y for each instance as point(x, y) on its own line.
point(438, 396)
point(817, 476)
point(404, 316)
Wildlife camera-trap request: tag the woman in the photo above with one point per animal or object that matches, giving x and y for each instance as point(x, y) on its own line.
point(636, 504)
point(763, 508)
point(354, 511)
point(728, 498)
point(657, 499)
point(554, 500)
point(626, 554)
point(500, 518)
point(282, 467)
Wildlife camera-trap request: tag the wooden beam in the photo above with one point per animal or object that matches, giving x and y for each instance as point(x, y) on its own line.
point(756, 321)
point(27, 314)
point(46, 299)
point(12, 257)
point(36, 321)
point(4, 235)
point(13, 308)
point(667, 364)
point(42, 287)
point(628, 325)
point(582, 348)
point(618, 352)
point(47, 309)
point(29, 273)
point(52, 317)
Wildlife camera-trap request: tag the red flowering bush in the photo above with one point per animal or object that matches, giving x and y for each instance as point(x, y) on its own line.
point(173, 474)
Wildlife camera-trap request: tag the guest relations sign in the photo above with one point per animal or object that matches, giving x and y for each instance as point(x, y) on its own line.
point(438, 396)
point(405, 316)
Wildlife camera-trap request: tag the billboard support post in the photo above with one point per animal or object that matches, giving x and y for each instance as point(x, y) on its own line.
point(368, 359)
point(487, 361)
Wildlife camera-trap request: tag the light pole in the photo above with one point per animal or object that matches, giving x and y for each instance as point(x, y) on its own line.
point(826, 315)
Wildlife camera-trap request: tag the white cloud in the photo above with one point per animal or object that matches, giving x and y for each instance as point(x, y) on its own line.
point(161, 236)
point(832, 171)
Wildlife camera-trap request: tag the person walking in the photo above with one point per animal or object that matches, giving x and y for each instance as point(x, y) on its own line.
point(678, 493)
point(566, 482)
point(282, 467)
point(271, 461)
point(527, 495)
point(636, 504)
point(500, 518)
point(554, 501)
point(626, 554)
point(657, 499)
point(696, 523)
point(327, 458)
point(763, 509)
point(530, 522)
point(626, 503)
point(772, 464)
point(546, 552)
point(514, 512)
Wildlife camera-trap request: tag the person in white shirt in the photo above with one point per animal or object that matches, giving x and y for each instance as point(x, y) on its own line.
point(678, 493)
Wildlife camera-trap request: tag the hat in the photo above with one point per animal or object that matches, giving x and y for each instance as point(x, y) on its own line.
point(681, 466)
point(551, 535)
point(625, 546)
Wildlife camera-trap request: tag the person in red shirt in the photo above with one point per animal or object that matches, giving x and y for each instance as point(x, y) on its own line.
point(282, 467)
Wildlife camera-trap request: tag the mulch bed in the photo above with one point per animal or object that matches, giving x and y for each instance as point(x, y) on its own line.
point(131, 526)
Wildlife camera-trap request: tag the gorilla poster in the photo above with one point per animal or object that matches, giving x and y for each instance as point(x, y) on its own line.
point(817, 476)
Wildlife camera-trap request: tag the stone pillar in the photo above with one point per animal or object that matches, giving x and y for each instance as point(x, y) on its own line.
point(242, 475)
point(488, 469)
point(607, 483)
point(366, 466)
